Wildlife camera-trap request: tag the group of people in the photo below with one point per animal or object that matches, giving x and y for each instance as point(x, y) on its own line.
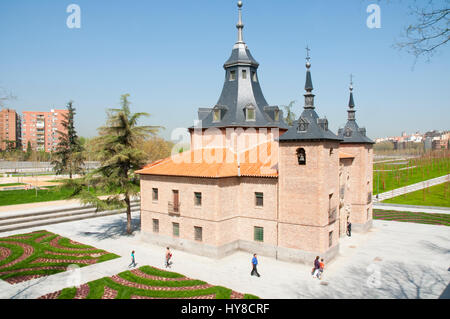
point(318, 269)
point(168, 259)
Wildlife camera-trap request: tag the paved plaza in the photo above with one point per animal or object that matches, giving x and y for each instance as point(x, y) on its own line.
point(392, 260)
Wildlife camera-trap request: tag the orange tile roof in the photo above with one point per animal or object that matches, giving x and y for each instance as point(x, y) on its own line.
point(343, 155)
point(258, 161)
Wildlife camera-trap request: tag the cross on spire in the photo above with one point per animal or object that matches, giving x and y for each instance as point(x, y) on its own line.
point(307, 53)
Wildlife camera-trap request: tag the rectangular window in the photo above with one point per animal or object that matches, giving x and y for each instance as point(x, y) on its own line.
point(259, 234)
point(259, 199)
point(244, 74)
point(198, 199)
point(198, 233)
point(250, 114)
point(232, 75)
point(156, 225)
point(154, 194)
point(330, 239)
point(277, 116)
point(176, 201)
point(216, 116)
point(176, 229)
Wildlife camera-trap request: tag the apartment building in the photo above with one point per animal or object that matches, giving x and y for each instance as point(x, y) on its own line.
point(42, 129)
point(10, 129)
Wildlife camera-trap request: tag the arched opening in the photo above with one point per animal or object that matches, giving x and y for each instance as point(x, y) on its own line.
point(301, 156)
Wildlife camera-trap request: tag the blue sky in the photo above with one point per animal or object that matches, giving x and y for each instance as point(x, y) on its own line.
point(169, 54)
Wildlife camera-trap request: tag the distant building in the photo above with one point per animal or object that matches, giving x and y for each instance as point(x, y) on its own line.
point(42, 129)
point(9, 129)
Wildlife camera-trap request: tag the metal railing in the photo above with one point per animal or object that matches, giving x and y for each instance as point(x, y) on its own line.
point(174, 208)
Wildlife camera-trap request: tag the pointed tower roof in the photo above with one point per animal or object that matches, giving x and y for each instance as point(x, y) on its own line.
point(351, 132)
point(241, 92)
point(309, 126)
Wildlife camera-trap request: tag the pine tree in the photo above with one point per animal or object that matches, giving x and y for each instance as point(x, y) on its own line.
point(29, 152)
point(119, 150)
point(69, 152)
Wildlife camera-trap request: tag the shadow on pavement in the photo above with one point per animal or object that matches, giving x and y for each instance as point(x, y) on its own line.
point(116, 228)
point(396, 280)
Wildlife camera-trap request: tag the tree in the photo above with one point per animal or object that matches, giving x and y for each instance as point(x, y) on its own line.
point(430, 31)
point(69, 152)
point(118, 147)
point(157, 148)
point(290, 115)
point(29, 152)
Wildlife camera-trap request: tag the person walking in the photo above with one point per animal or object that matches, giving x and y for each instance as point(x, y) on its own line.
point(316, 267)
point(133, 260)
point(168, 257)
point(254, 265)
point(321, 268)
point(349, 229)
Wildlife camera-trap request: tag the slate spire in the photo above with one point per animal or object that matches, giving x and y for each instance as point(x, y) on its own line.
point(351, 132)
point(351, 103)
point(242, 102)
point(309, 97)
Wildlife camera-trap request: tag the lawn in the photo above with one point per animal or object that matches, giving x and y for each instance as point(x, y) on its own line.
point(15, 197)
point(438, 195)
point(33, 255)
point(410, 217)
point(147, 283)
point(423, 168)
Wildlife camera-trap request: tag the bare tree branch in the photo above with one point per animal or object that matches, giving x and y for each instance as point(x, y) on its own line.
point(430, 32)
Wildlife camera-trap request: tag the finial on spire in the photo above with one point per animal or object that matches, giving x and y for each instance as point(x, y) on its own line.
point(308, 58)
point(351, 82)
point(240, 25)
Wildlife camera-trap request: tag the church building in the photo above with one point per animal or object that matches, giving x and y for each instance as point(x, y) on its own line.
point(252, 182)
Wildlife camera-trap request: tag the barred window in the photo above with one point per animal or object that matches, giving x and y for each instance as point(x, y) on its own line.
point(198, 199)
point(259, 199)
point(156, 225)
point(155, 194)
point(330, 239)
point(198, 233)
point(176, 229)
point(259, 234)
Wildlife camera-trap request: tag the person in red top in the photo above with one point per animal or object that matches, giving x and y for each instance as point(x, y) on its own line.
point(168, 257)
point(322, 267)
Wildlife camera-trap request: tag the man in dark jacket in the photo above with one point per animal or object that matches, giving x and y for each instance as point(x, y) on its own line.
point(349, 229)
